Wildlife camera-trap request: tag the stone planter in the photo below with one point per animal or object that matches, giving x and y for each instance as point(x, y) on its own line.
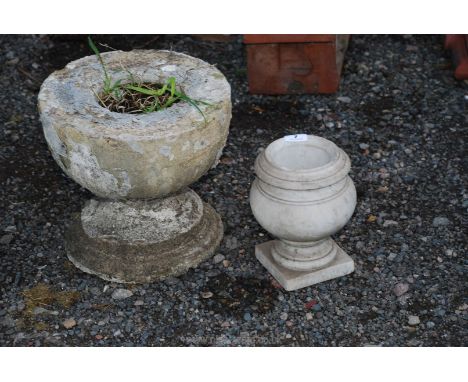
point(302, 194)
point(146, 224)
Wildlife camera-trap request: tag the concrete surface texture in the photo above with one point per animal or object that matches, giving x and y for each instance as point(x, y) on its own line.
point(149, 155)
point(302, 195)
point(142, 241)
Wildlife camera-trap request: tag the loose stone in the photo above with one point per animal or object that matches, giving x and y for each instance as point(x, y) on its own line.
point(231, 242)
point(344, 99)
point(400, 289)
point(39, 310)
point(413, 320)
point(69, 323)
point(6, 239)
point(121, 294)
point(392, 256)
point(207, 294)
point(218, 258)
point(440, 221)
point(430, 324)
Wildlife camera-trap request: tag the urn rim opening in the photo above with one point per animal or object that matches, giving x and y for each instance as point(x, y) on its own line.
point(311, 163)
point(298, 156)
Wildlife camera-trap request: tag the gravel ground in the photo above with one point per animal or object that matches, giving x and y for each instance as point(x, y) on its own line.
point(400, 116)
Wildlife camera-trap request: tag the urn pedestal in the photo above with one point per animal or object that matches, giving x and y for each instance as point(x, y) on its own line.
point(302, 194)
point(144, 224)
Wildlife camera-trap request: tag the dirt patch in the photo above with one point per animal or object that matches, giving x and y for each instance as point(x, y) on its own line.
point(237, 296)
point(43, 296)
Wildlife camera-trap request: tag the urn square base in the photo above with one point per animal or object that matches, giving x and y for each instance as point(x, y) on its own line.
point(292, 280)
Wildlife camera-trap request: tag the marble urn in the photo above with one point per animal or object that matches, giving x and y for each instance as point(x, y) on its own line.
point(302, 195)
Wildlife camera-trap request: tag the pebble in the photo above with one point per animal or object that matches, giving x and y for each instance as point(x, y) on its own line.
point(139, 303)
point(462, 307)
point(317, 308)
point(231, 242)
point(388, 223)
point(247, 317)
point(207, 294)
point(408, 179)
point(363, 146)
point(121, 294)
point(430, 325)
point(309, 316)
point(218, 258)
point(39, 310)
point(69, 323)
point(440, 221)
point(392, 256)
point(400, 289)
point(14, 61)
point(413, 320)
point(226, 263)
point(344, 99)
point(10, 229)
point(284, 316)
point(6, 239)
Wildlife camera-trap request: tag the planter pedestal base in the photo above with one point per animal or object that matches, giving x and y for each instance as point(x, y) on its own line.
point(137, 241)
point(289, 279)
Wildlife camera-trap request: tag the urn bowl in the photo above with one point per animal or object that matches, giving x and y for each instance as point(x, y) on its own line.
point(302, 191)
point(128, 156)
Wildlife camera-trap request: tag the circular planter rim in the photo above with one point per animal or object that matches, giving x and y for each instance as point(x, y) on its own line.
point(68, 93)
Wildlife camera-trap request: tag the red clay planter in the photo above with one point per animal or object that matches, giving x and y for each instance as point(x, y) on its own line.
point(294, 64)
point(458, 44)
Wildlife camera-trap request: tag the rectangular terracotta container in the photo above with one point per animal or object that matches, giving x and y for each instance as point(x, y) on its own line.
point(295, 64)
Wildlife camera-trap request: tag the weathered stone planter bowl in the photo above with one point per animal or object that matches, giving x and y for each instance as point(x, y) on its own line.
point(116, 155)
point(149, 225)
point(302, 195)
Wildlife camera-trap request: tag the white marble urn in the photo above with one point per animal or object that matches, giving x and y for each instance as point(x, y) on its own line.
point(144, 224)
point(302, 194)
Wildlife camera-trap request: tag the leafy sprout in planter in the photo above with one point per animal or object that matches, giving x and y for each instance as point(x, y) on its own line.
point(139, 97)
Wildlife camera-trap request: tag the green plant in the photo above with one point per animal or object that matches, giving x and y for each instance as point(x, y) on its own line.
point(139, 96)
point(109, 87)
